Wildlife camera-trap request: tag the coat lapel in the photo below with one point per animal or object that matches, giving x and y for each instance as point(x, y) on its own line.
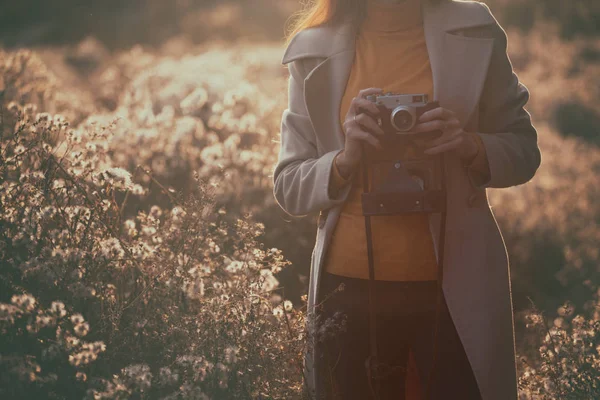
point(325, 85)
point(459, 66)
point(323, 102)
point(459, 63)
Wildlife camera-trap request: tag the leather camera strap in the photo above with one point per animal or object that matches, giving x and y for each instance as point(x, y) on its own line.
point(372, 362)
point(440, 291)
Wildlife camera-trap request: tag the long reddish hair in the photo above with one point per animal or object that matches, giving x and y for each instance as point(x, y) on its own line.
point(321, 12)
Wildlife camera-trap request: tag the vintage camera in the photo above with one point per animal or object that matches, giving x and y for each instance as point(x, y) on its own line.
point(399, 113)
point(401, 165)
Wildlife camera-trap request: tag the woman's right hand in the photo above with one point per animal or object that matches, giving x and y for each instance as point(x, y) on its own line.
point(360, 127)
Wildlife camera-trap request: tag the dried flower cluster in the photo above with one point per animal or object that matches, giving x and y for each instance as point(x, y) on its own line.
point(569, 353)
point(42, 346)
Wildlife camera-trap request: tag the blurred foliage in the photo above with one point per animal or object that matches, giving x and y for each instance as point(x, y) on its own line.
point(123, 23)
point(575, 17)
point(574, 119)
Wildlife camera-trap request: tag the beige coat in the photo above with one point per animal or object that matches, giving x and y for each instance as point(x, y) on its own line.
point(472, 76)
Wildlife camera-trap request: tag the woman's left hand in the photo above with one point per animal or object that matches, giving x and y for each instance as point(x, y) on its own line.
point(453, 136)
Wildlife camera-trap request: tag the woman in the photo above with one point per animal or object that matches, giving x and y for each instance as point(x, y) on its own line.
point(454, 51)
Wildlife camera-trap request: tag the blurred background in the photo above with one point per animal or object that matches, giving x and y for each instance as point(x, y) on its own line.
point(197, 85)
point(120, 24)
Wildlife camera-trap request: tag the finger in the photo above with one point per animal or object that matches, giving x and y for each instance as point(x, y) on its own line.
point(452, 123)
point(358, 103)
point(369, 123)
point(445, 146)
point(365, 136)
point(438, 124)
point(368, 91)
point(446, 137)
point(434, 125)
point(436, 113)
point(369, 137)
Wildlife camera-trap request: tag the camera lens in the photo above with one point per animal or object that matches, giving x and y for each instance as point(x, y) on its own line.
point(402, 119)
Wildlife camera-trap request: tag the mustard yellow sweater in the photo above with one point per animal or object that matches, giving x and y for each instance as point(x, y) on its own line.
point(391, 53)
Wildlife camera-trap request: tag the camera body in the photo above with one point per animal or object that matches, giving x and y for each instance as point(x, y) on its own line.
point(401, 165)
point(399, 113)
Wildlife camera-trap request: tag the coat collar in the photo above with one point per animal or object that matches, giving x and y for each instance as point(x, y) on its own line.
point(459, 64)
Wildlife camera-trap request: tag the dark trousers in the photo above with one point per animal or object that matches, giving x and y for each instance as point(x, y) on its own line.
point(405, 320)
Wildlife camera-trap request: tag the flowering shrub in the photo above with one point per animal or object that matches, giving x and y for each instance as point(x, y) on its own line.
point(182, 300)
point(42, 349)
point(570, 355)
point(219, 124)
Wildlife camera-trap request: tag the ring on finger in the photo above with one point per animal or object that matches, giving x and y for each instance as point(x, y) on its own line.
point(355, 119)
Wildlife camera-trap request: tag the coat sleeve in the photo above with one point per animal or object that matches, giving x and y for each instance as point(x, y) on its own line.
point(505, 127)
point(479, 166)
point(301, 177)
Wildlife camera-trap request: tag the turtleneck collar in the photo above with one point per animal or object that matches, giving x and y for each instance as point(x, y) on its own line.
point(390, 17)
